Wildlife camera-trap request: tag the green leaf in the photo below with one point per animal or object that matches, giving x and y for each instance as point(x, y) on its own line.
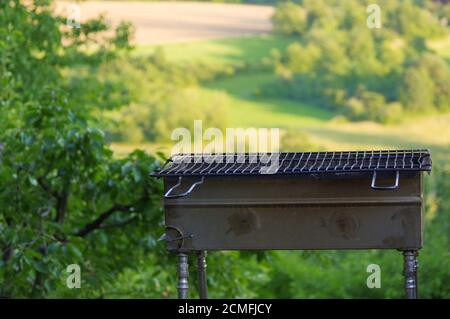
point(32, 180)
point(74, 250)
point(126, 168)
point(136, 175)
point(40, 266)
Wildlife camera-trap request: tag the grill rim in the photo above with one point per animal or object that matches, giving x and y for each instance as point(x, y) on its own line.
point(423, 156)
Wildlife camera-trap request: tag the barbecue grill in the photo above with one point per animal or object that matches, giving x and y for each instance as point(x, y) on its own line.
point(298, 201)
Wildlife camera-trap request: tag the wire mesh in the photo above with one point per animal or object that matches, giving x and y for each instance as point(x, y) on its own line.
point(295, 162)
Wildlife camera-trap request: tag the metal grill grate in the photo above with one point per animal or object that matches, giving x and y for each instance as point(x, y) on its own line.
point(295, 163)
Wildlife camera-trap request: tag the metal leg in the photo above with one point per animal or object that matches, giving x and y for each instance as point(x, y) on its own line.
point(410, 273)
point(201, 265)
point(183, 275)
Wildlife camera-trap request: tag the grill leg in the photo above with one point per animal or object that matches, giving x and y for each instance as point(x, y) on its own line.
point(201, 265)
point(410, 272)
point(183, 275)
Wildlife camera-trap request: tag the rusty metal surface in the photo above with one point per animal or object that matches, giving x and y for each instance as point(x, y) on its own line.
point(292, 213)
point(273, 188)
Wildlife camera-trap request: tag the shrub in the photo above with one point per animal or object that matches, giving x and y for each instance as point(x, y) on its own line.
point(335, 52)
point(290, 18)
point(417, 89)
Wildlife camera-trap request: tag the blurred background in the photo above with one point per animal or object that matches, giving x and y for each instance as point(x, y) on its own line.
point(91, 91)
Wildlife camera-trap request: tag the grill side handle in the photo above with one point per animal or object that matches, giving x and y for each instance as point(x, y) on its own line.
point(168, 194)
point(391, 187)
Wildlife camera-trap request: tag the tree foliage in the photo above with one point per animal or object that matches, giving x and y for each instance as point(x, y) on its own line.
point(163, 97)
point(62, 193)
point(64, 197)
point(336, 57)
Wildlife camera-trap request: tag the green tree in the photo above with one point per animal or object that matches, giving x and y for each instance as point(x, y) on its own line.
point(439, 72)
point(417, 90)
point(301, 59)
point(62, 193)
point(414, 22)
point(290, 18)
point(337, 53)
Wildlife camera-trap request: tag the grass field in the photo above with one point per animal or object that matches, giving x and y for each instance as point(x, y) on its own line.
point(221, 52)
point(432, 131)
point(320, 126)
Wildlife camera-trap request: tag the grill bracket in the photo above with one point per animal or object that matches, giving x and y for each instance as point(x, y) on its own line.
point(395, 186)
point(168, 194)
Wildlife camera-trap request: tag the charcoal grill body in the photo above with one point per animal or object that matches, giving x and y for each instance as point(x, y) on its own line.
point(332, 200)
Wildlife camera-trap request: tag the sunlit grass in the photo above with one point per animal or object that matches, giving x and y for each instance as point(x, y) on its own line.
point(321, 126)
point(247, 109)
point(441, 47)
point(228, 51)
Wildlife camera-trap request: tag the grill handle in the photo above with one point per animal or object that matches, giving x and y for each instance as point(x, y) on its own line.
point(169, 192)
point(392, 187)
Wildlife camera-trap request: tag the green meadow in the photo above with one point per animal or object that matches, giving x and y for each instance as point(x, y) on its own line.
point(321, 126)
point(310, 126)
